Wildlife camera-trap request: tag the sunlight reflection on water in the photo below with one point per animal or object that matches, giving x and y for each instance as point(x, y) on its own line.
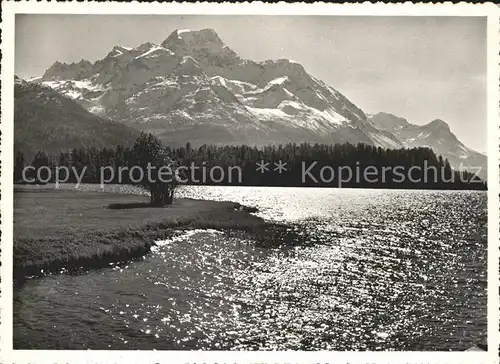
point(382, 270)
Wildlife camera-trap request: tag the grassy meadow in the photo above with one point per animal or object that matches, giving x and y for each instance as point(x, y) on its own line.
point(57, 228)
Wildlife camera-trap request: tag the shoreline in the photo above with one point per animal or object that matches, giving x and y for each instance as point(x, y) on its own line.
point(44, 243)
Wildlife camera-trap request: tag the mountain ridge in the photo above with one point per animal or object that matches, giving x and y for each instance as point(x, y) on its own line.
point(437, 135)
point(193, 87)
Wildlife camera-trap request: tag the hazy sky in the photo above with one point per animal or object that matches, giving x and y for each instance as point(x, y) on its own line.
point(420, 68)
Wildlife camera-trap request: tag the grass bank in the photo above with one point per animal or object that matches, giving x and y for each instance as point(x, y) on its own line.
point(55, 229)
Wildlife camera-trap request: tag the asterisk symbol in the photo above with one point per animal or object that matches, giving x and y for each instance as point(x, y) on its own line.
point(280, 166)
point(262, 166)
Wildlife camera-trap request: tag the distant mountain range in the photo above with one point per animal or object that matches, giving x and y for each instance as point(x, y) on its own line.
point(436, 135)
point(193, 87)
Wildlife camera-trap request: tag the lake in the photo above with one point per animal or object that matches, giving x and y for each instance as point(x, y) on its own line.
point(376, 270)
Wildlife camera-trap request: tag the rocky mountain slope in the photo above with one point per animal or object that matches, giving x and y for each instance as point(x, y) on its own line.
point(436, 135)
point(47, 120)
point(193, 87)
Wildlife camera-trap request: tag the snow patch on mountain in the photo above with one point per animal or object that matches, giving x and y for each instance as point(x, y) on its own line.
point(78, 84)
point(267, 113)
point(189, 59)
point(155, 51)
point(118, 51)
point(239, 88)
point(34, 79)
point(180, 31)
point(278, 81)
point(97, 109)
point(75, 89)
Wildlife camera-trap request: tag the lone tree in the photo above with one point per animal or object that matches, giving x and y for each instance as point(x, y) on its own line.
point(153, 168)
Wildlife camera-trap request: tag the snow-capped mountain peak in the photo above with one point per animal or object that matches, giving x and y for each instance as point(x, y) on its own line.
point(201, 37)
point(204, 45)
point(436, 135)
point(193, 87)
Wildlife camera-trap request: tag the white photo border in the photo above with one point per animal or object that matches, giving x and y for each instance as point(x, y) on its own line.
point(10, 9)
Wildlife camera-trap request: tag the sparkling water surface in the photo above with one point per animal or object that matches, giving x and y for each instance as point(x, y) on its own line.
point(379, 270)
